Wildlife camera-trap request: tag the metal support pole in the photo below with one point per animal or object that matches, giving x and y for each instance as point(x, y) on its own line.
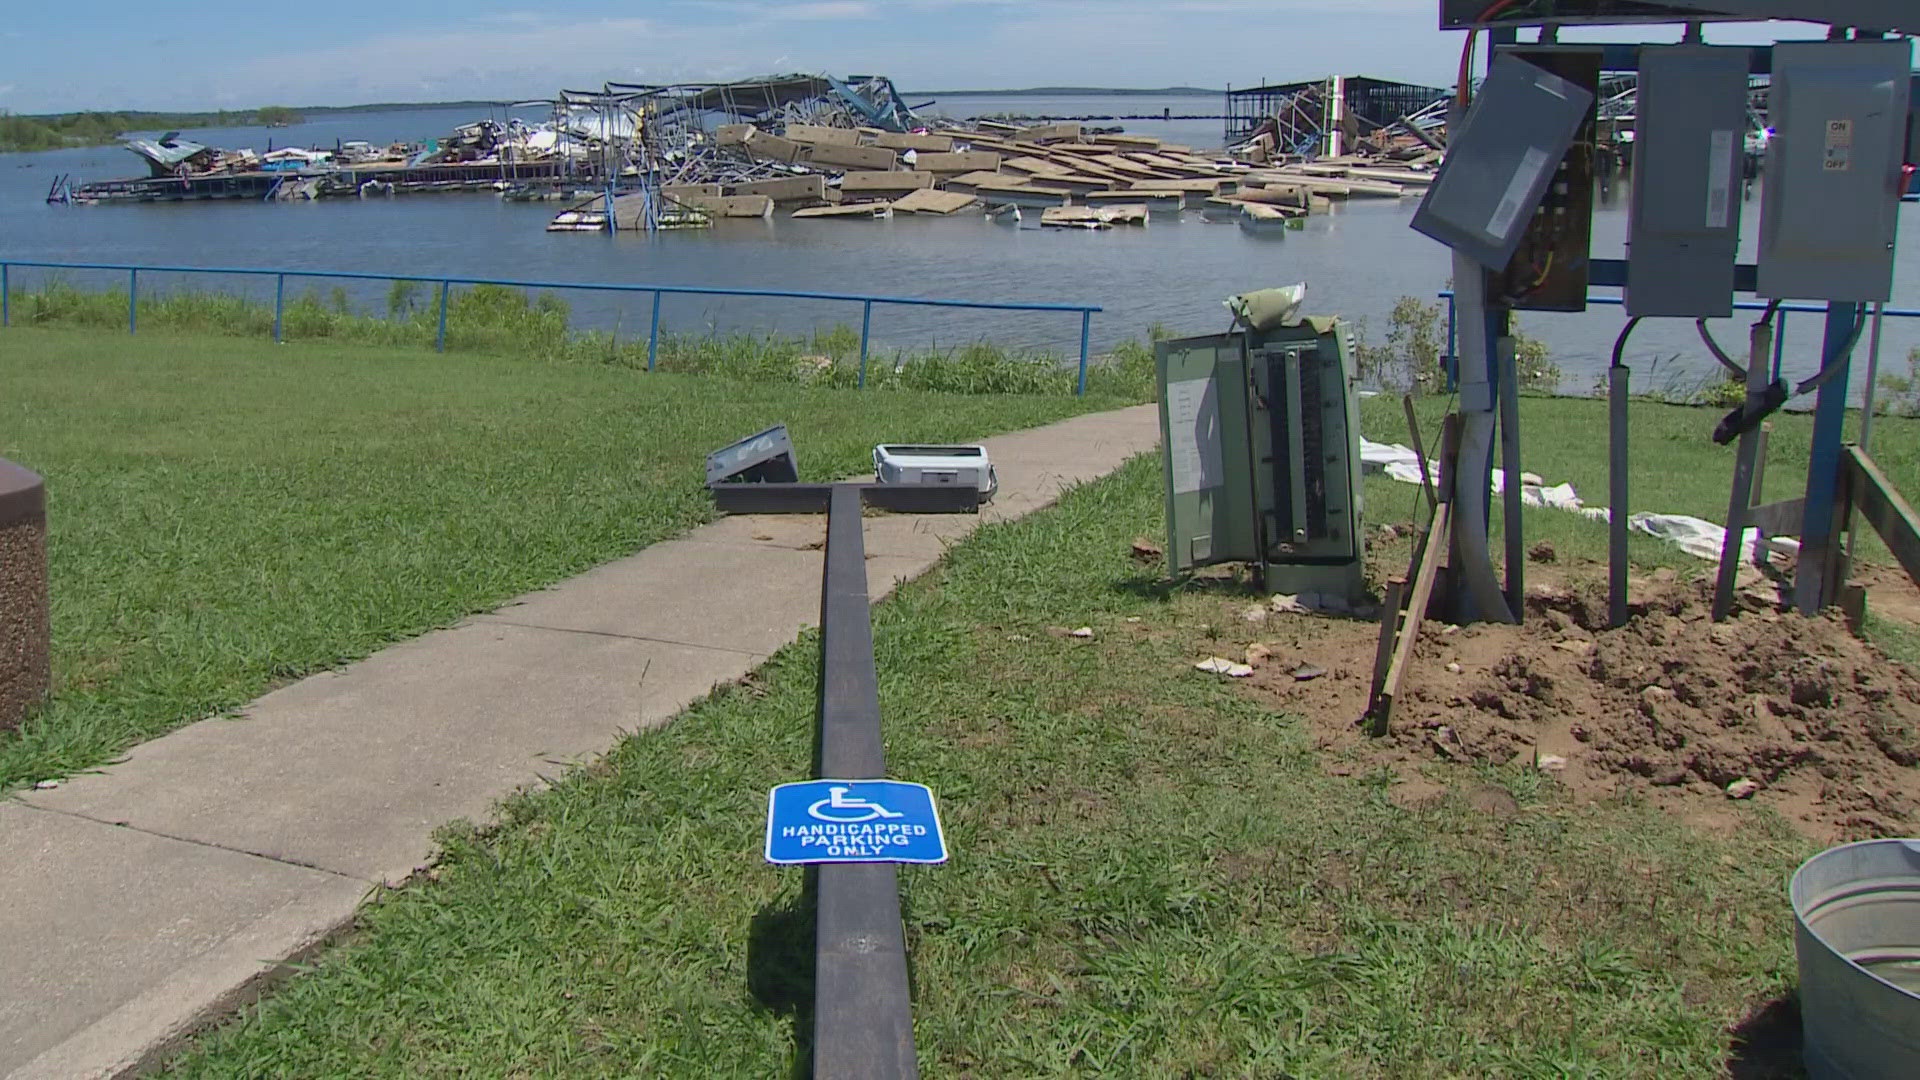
point(653, 332)
point(863, 1019)
point(1511, 485)
point(6, 298)
point(866, 324)
point(440, 340)
point(1740, 503)
point(1812, 588)
point(1086, 330)
point(1452, 360)
point(1474, 588)
point(1618, 378)
point(1873, 377)
point(133, 300)
point(279, 302)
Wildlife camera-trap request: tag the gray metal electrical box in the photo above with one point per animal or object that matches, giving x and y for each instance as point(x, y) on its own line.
point(1501, 161)
point(1688, 148)
point(1831, 207)
point(1261, 443)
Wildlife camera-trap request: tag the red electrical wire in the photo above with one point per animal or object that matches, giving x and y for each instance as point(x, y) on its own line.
point(1461, 92)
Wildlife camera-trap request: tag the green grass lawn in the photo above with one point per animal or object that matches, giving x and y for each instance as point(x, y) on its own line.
point(228, 514)
point(1153, 875)
point(1676, 467)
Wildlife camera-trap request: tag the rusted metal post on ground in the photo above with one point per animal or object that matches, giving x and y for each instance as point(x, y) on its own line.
point(863, 1018)
point(862, 1008)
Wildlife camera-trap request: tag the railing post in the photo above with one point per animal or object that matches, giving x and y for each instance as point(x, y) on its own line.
point(133, 300)
point(653, 331)
point(1086, 330)
point(6, 299)
point(440, 342)
point(279, 302)
point(866, 324)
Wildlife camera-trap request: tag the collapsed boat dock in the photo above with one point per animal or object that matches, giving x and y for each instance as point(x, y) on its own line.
point(378, 178)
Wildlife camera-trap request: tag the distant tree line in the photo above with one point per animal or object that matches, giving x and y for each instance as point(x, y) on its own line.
point(60, 130)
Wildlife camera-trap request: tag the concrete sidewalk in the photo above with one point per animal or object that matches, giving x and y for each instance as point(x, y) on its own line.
point(137, 901)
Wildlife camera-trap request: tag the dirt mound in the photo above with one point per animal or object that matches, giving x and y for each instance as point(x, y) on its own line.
point(1672, 706)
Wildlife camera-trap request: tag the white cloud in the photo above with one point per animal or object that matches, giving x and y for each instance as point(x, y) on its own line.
point(825, 9)
point(503, 58)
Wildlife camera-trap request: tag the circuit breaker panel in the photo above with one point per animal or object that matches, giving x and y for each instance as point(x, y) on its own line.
point(1830, 207)
point(1261, 444)
point(1549, 270)
point(1690, 134)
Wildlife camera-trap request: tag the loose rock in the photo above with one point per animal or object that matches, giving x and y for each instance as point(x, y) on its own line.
point(1742, 788)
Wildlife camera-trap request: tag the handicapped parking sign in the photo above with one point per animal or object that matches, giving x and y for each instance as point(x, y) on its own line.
point(853, 821)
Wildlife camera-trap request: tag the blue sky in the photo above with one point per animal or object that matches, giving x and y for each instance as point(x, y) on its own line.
point(200, 54)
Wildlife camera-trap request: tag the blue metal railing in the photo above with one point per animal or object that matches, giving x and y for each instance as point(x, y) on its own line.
point(1451, 361)
point(1085, 311)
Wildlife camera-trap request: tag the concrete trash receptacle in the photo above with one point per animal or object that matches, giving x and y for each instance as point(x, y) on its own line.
point(1856, 911)
point(24, 628)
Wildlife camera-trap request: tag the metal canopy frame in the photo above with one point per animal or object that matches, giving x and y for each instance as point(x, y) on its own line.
point(1879, 14)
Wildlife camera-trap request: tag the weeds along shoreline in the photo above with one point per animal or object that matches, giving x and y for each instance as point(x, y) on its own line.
point(505, 321)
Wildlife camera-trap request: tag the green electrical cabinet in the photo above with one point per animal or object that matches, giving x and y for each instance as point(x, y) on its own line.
point(1260, 441)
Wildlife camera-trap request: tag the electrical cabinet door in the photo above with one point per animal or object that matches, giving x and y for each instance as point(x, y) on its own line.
point(1204, 451)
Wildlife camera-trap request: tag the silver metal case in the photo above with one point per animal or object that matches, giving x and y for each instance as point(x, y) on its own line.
point(1830, 213)
point(1688, 149)
point(1501, 162)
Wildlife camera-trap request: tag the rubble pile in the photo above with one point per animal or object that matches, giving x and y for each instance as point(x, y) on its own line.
point(812, 146)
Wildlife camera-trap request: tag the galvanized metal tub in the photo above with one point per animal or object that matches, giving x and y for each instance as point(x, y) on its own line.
point(1856, 915)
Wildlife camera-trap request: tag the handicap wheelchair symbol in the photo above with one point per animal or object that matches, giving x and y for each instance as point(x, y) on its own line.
point(840, 809)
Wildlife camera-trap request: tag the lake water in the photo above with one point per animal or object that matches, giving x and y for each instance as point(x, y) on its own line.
point(1356, 261)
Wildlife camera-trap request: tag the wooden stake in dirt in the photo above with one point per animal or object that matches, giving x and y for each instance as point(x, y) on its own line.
point(1390, 613)
point(1426, 559)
